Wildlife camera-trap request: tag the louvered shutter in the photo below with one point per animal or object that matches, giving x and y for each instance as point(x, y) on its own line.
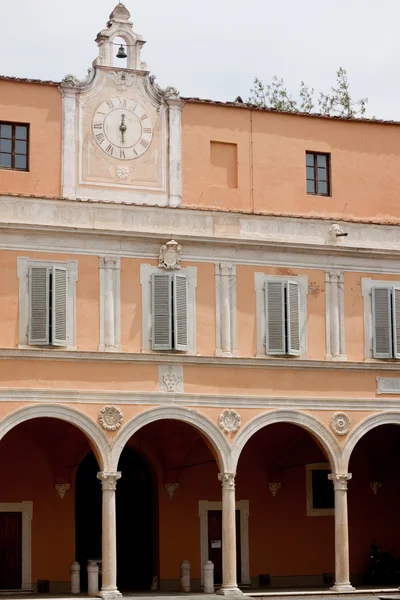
point(59, 306)
point(161, 311)
point(382, 322)
point(38, 306)
point(180, 312)
point(396, 320)
point(293, 318)
point(275, 317)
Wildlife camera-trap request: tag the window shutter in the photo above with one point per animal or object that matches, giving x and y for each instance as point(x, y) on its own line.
point(59, 306)
point(161, 311)
point(382, 322)
point(396, 320)
point(275, 317)
point(180, 312)
point(38, 305)
point(293, 318)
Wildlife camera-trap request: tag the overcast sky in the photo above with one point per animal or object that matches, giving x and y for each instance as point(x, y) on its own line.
point(214, 48)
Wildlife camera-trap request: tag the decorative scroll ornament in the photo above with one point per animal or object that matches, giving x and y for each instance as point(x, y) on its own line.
point(110, 418)
point(62, 489)
point(274, 488)
point(375, 485)
point(73, 82)
point(171, 488)
point(227, 480)
point(170, 255)
point(340, 423)
point(229, 421)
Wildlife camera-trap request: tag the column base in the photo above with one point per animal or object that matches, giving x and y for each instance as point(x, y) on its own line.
point(109, 594)
point(229, 590)
point(342, 588)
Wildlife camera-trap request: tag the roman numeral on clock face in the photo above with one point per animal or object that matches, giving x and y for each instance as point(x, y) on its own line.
point(110, 149)
point(144, 143)
point(110, 104)
point(122, 153)
point(100, 137)
point(147, 130)
point(98, 125)
point(144, 117)
point(123, 102)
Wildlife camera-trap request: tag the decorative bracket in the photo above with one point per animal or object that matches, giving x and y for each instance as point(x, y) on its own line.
point(62, 489)
point(171, 488)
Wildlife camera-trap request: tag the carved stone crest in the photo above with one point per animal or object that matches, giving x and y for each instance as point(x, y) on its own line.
point(170, 255)
point(171, 379)
point(110, 418)
point(229, 421)
point(340, 423)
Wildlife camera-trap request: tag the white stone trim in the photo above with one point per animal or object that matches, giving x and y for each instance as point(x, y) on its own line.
point(187, 415)
point(225, 307)
point(243, 506)
point(93, 432)
point(68, 165)
point(259, 282)
point(110, 267)
point(388, 385)
point(311, 511)
point(335, 321)
point(370, 422)
point(145, 281)
point(26, 508)
point(315, 427)
point(366, 286)
point(23, 264)
point(175, 151)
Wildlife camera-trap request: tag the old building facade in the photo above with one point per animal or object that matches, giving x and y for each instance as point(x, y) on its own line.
point(198, 335)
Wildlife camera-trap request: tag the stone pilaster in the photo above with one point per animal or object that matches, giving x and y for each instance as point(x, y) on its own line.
point(225, 286)
point(110, 303)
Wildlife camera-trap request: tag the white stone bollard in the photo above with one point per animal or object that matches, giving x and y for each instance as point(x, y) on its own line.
point(75, 578)
point(209, 577)
point(185, 576)
point(93, 578)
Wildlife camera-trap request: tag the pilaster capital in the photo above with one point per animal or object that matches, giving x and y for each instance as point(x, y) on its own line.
point(108, 480)
point(227, 480)
point(340, 480)
point(111, 262)
point(226, 269)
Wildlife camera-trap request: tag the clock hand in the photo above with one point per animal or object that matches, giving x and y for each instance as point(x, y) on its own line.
point(123, 128)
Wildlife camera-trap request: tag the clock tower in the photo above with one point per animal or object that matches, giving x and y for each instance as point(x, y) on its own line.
point(121, 131)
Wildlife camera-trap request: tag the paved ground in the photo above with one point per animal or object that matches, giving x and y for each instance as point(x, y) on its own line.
point(258, 594)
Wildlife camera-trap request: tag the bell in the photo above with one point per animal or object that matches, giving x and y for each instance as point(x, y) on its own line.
point(121, 52)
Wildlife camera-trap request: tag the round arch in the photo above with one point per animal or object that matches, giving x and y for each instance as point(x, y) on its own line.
point(386, 418)
point(202, 423)
point(63, 413)
point(312, 425)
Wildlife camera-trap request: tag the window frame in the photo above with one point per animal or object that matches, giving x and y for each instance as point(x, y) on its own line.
point(146, 272)
point(23, 269)
point(367, 286)
point(14, 125)
point(311, 511)
point(260, 280)
point(315, 155)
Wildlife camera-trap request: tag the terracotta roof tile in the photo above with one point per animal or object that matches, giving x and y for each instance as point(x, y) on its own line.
point(25, 80)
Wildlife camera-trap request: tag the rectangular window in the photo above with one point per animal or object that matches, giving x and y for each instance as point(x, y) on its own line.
point(317, 173)
point(320, 493)
point(14, 146)
point(48, 306)
point(282, 304)
point(169, 311)
point(386, 321)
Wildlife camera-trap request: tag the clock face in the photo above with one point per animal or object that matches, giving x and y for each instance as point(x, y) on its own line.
point(122, 128)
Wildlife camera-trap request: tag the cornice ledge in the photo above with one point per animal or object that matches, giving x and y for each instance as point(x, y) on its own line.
point(182, 359)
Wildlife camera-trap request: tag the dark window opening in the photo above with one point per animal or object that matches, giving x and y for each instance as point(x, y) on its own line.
point(317, 174)
point(322, 489)
point(14, 146)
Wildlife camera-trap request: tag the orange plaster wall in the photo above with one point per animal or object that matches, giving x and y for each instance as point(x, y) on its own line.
point(40, 106)
point(246, 308)
point(271, 163)
point(131, 304)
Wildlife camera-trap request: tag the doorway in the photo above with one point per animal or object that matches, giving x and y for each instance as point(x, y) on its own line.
point(215, 544)
point(136, 510)
point(10, 550)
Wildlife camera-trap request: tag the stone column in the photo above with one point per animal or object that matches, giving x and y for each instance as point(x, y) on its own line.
point(342, 575)
point(109, 536)
point(229, 583)
point(175, 151)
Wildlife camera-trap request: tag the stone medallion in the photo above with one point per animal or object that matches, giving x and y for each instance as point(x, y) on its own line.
point(110, 418)
point(340, 423)
point(229, 421)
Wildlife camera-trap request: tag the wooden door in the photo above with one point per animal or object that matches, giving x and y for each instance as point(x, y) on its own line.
point(215, 544)
point(10, 550)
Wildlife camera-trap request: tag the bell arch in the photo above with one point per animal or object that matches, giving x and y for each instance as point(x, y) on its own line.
point(384, 418)
point(92, 431)
point(311, 424)
point(202, 423)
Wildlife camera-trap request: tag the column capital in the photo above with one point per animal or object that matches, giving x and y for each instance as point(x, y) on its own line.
point(108, 480)
point(227, 480)
point(111, 262)
point(340, 480)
